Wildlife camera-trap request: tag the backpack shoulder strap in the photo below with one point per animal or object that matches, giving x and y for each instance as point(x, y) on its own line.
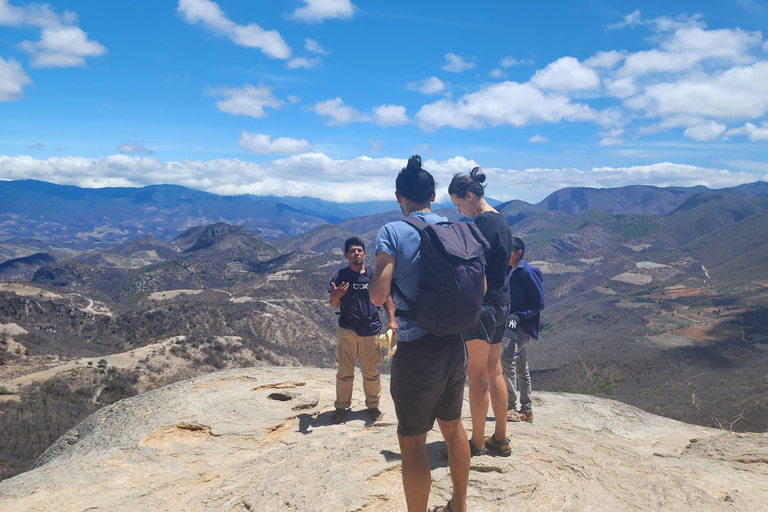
point(419, 226)
point(407, 313)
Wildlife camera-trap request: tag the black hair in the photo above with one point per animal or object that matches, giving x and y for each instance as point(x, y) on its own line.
point(414, 183)
point(463, 183)
point(518, 245)
point(353, 240)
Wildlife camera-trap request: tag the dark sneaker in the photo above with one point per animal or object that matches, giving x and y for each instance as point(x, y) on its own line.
point(338, 416)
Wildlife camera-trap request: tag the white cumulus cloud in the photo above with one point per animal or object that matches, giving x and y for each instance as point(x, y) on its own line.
point(538, 138)
point(263, 144)
point(431, 85)
point(12, 80)
point(315, 11)
point(504, 103)
point(62, 43)
point(605, 60)
point(740, 92)
point(612, 137)
point(390, 115)
point(317, 175)
point(131, 171)
point(61, 47)
point(455, 64)
point(336, 113)
point(709, 131)
point(208, 14)
point(620, 87)
point(688, 46)
point(755, 133)
point(248, 100)
point(566, 74)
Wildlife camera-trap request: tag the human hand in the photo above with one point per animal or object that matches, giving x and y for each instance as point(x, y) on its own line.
point(339, 291)
point(392, 325)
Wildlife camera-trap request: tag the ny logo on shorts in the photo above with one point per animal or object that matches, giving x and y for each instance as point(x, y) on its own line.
point(512, 324)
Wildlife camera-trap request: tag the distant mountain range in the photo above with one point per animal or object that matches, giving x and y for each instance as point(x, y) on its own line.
point(37, 216)
point(641, 199)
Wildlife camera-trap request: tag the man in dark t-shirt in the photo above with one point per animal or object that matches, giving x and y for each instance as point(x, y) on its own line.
point(359, 326)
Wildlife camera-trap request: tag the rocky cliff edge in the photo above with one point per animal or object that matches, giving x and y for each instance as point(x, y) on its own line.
point(259, 439)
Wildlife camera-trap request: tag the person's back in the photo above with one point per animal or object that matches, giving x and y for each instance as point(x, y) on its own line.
point(428, 371)
point(401, 241)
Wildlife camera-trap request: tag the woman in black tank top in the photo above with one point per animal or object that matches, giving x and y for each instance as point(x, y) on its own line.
point(484, 340)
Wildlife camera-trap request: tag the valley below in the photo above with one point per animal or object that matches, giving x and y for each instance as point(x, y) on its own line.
point(667, 312)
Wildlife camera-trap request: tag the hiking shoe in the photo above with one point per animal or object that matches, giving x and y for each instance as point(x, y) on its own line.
point(501, 448)
point(513, 415)
point(338, 416)
point(526, 416)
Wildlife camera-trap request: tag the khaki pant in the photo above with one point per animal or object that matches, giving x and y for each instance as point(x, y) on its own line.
point(349, 346)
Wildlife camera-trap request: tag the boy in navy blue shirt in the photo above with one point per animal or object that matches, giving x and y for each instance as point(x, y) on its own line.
point(526, 302)
point(359, 326)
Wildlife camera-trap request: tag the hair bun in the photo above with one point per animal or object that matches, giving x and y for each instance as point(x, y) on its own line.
point(414, 164)
point(477, 174)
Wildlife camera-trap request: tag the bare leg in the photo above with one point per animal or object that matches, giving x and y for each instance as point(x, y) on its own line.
point(458, 460)
point(478, 389)
point(417, 479)
point(497, 388)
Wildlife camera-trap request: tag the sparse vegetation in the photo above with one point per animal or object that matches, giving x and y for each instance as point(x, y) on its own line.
point(682, 353)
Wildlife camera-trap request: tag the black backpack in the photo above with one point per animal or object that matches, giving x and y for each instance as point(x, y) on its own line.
point(452, 282)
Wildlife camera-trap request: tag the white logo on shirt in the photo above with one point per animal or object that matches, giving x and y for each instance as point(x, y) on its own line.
point(360, 286)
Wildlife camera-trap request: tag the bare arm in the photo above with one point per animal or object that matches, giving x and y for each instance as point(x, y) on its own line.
point(389, 309)
point(380, 285)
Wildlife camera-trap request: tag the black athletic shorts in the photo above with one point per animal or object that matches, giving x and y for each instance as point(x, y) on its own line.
point(490, 327)
point(427, 382)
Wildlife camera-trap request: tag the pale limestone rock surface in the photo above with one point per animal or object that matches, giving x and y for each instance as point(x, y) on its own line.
point(259, 439)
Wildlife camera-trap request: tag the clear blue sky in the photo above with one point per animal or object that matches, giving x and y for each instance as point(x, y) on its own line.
point(327, 98)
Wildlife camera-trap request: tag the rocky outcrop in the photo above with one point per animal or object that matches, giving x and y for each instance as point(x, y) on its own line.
point(259, 439)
